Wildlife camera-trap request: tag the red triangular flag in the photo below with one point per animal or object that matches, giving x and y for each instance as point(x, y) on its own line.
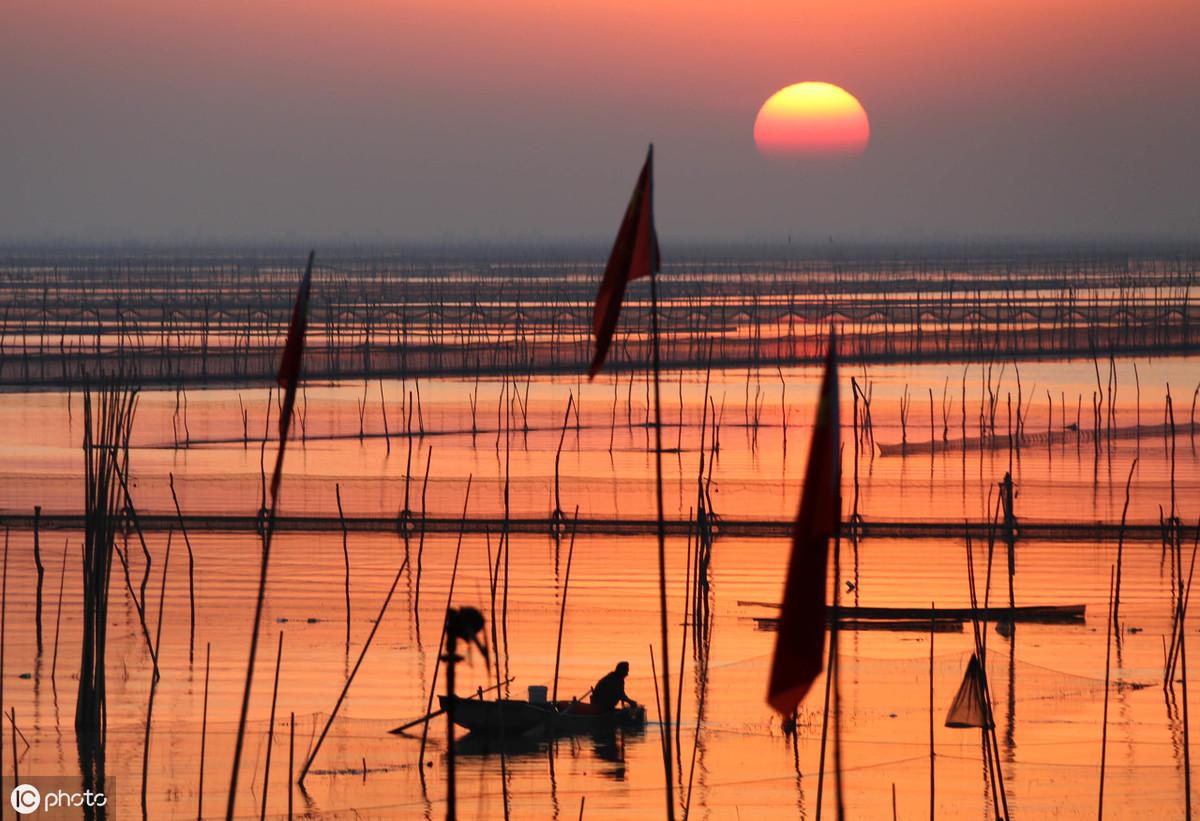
point(634, 255)
point(289, 368)
point(293, 349)
point(800, 642)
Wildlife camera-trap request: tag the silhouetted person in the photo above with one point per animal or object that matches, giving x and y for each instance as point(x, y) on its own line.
point(610, 690)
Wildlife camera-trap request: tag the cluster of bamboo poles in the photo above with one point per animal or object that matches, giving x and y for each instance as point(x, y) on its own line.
point(184, 321)
point(109, 509)
point(112, 513)
point(978, 427)
point(1175, 651)
point(1062, 424)
point(108, 421)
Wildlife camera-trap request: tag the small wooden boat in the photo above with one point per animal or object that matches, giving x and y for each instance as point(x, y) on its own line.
point(516, 717)
point(941, 625)
point(1030, 614)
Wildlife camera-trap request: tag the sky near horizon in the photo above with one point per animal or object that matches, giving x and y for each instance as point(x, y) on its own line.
point(520, 120)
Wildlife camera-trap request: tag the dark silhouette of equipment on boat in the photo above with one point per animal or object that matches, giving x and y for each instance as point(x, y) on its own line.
point(610, 689)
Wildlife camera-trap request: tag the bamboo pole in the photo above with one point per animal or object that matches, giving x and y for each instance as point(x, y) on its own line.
point(203, 733)
point(833, 650)
point(825, 726)
point(300, 321)
point(350, 679)
point(191, 570)
point(562, 613)
point(662, 544)
point(162, 598)
point(291, 763)
point(16, 774)
point(41, 573)
point(932, 630)
point(421, 543)
point(442, 637)
point(266, 787)
point(58, 615)
point(1187, 757)
point(1107, 666)
point(1116, 605)
point(3, 637)
point(337, 489)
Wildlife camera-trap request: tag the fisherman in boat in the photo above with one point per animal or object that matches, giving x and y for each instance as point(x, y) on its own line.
point(610, 690)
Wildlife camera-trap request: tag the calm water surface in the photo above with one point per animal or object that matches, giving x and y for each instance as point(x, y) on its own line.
point(1048, 681)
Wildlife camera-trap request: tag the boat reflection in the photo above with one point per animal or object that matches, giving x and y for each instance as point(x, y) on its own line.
point(606, 744)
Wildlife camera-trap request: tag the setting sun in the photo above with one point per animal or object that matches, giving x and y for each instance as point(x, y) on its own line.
point(811, 120)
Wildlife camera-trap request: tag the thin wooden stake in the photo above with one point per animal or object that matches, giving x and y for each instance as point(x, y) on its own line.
point(266, 788)
point(662, 552)
point(162, 598)
point(932, 630)
point(442, 638)
point(41, 573)
point(1107, 666)
point(16, 774)
point(191, 570)
point(1116, 602)
point(58, 617)
point(562, 613)
point(829, 671)
point(203, 733)
point(265, 558)
point(3, 636)
point(350, 679)
point(291, 763)
point(337, 489)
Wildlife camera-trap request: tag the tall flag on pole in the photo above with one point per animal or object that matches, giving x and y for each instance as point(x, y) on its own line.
point(634, 255)
point(800, 642)
point(289, 368)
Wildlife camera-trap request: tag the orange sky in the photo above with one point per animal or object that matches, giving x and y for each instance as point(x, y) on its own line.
point(408, 117)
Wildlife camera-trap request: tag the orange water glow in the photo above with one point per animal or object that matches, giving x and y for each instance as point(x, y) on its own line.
point(1048, 680)
point(812, 119)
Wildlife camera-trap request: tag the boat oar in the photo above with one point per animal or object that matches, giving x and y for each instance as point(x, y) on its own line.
point(417, 721)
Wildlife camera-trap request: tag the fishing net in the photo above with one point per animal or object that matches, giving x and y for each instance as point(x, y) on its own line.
point(968, 708)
